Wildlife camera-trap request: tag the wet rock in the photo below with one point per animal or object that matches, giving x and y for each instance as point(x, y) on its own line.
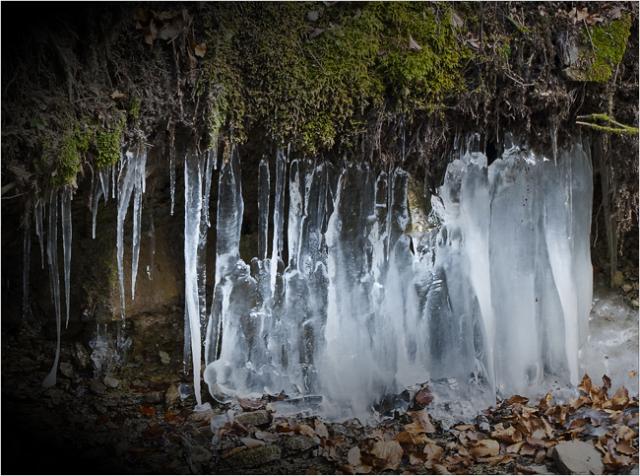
point(66, 369)
point(483, 423)
point(257, 418)
point(298, 443)
point(250, 457)
point(97, 387)
point(423, 398)
point(184, 390)
point(171, 395)
point(111, 382)
point(165, 358)
point(578, 457)
point(154, 397)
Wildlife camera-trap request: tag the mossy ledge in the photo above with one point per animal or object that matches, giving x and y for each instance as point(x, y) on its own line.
point(326, 78)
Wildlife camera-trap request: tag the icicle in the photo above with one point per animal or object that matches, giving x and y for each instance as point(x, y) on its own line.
point(296, 208)
point(26, 261)
point(96, 194)
point(114, 182)
point(229, 212)
point(192, 216)
point(263, 208)
point(207, 168)
point(172, 174)
point(212, 157)
point(278, 217)
point(67, 233)
point(54, 281)
point(139, 188)
point(38, 212)
point(126, 184)
point(103, 176)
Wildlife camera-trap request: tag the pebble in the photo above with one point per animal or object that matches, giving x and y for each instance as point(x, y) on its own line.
point(184, 390)
point(97, 387)
point(154, 397)
point(165, 359)
point(257, 418)
point(250, 457)
point(298, 443)
point(313, 15)
point(627, 287)
point(578, 457)
point(66, 369)
point(111, 382)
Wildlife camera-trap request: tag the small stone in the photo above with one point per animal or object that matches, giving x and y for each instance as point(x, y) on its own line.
point(184, 390)
point(154, 397)
point(111, 382)
point(423, 398)
point(200, 455)
point(578, 457)
point(627, 287)
point(257, 418)
point(171, 395)
point(634, 303)
point(97, 387)
point(66, 369)
point(313, 15)
point(533, 469)
point(165, 359)
point(617, 279)
point(249, 457)
point(298, 443)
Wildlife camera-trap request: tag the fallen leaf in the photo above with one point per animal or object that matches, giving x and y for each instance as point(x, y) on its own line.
point(390, 452)
point(514, 448)
point(585, 385)
point(625, 448)
point(424, 397)
point(485, 448)
point(422, 422)
point(517, 399)
point(409, 438)
point(440, 469)
point(506, 435)
point(321, 429)
point(433, 452)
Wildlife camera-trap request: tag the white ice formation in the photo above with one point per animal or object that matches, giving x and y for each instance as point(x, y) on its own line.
point(497, 290)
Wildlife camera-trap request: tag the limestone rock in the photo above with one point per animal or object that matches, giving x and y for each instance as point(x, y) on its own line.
point(111, 382)
point(578, 457)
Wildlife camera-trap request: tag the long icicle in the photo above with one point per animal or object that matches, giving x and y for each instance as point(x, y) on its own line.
point(192, 218)
point(67, 235)
point(54, 281)
point(125, 188)
point(38, 212)
point(139, 186)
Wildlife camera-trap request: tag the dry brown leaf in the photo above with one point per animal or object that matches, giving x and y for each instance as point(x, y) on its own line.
point(433, 452)
point(541, 455)
point(527, 450)
point(625, 448)
point(424, 397)
point(305, 430)
point(408, 438)
point(620, 399)
point(390, 452)
point(624, 433)
point(585, 385)
point(321, 429)
point(514, 448)
point(506, 435)
point(517, 399)
point(421, 419)
point(485, 448)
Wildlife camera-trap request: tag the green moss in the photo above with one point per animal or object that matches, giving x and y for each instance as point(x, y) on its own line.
point(134, 108)
point(609, 42)
point(109, 143)
point(311, 74)
point(70, 153)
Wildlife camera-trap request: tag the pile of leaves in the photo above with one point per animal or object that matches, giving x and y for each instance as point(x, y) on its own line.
point(515, 436)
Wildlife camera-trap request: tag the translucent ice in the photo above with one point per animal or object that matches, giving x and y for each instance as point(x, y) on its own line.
point(67, 233)
point(54, 281)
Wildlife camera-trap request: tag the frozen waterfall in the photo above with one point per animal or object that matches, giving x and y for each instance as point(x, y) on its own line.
point(496, 290)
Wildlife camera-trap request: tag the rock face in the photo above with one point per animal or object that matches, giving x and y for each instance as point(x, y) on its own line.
point(257, 418)
point(578, 457)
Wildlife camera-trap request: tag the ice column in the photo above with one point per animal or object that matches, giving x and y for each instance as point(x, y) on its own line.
point(263, 208)
point(67, 232)
point(192, 217)
point(54, 281)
